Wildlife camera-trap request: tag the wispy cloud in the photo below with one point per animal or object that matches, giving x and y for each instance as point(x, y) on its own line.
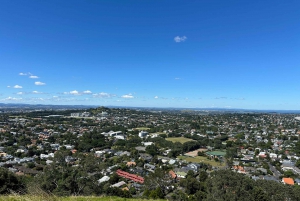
point(39, 83)
point(87, 92)
point(32, 92)
point(179, 39)
point(128, 96)
point(221, 98)
point(103, 95)
point(12, 99)
point(36, 92)
point(156, 97)
point(30, 75)
point(23, 74)
point(75, 92)
point(177, 78)
point(18, 87)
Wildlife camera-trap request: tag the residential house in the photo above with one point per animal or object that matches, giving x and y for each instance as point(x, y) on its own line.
point(288, 181)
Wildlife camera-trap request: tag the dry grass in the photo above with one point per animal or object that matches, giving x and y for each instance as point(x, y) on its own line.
point(142, 128)
point(201, 159)
point(37, 194)
point(71, 198)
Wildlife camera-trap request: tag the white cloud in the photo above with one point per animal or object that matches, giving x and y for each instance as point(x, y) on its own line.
point(18, 87)
point(74, 92)
point(36, 92)
point(127, 96)
point(179, 39)
point(20, 93)
point(22, 74)
point(8, 86)
point(87, 92)
point(40, 83)
point(33, 77)
point(156, 97)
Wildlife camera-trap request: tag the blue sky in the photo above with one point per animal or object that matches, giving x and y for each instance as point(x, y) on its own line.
point(227, 54)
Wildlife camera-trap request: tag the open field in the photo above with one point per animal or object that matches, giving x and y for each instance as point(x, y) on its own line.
point(142, 128)
point(178, 139)
point(195, 152)
point(201, 159)
point(78, 198)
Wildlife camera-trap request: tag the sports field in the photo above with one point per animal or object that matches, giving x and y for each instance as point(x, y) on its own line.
point(178, 139)
point(216, 153)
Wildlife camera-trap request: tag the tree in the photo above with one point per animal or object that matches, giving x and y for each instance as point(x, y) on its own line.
point(203, 176)
point(297, 164)
point(156, 194)
point(62, 179)
point(190, 174)
point(158, 179)
point(260, 194)
point(152, 150)
point(10, 183)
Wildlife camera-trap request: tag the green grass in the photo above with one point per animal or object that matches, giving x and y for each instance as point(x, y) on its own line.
point(201, 159)
point(178, 139)
point(72, 198)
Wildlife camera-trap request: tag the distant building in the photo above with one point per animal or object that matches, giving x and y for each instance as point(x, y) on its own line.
point(103, 179)
point(75, 114)
point(143, 134)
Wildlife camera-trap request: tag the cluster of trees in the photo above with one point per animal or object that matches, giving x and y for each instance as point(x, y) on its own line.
point(63, 180)
point(91, 140)
point(10, 183)
point(228, 185)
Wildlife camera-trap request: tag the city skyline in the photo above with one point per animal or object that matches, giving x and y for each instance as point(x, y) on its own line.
point(195, 54)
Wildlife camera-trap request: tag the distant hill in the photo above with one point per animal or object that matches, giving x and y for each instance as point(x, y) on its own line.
point(21, 106)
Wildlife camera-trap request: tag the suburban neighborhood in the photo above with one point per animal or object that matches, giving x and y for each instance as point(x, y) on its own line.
point(148, 153)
